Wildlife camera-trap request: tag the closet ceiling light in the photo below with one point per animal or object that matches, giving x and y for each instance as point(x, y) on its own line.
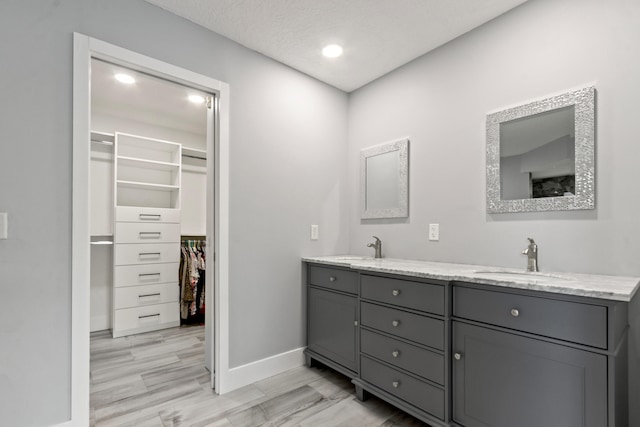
point(125, 78)
point(332, 51)
point(196, 99)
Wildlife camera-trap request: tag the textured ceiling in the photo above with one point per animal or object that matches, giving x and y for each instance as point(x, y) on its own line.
point(377, 35)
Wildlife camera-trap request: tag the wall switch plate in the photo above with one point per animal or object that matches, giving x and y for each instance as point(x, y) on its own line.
point(4, 226)
point(434, 232)
point(314, 232)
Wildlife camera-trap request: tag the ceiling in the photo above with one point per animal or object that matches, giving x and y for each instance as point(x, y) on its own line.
point(378, 36)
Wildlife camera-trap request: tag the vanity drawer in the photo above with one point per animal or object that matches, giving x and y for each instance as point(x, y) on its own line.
point(138, 296)
point(333, 278)
point(414, 359)
point(570, 321)
point(421, 329)
point(146, 274)
point(151, 215)
point(405, 293)
point(133, 232)
point(146, 253)
point(133, 320)
point(418, 393)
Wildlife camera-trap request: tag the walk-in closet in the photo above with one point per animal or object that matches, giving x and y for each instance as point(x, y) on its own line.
point(148, 207)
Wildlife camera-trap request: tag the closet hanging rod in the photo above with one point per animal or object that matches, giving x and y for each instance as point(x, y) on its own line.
point(194, 157)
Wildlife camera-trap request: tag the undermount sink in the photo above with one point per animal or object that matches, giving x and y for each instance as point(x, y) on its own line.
point(532, 275)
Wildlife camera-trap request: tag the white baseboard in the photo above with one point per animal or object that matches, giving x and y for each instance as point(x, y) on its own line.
point(100, 323)
point(260, 369)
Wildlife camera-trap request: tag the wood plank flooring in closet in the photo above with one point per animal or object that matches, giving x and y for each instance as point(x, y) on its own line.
point(159, 379)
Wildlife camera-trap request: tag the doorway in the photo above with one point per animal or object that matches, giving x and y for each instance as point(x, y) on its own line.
point(87, 49)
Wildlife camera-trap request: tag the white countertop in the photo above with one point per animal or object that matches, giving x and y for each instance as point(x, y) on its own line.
point(616, 288)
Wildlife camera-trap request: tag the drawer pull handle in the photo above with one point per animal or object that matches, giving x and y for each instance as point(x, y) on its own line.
point(149, 315)
point(332, 279)
point(395, 323)
point(395, 353)
point(395, 384)
point(155, 254)
point(515, 312)
point(457, 356)
point(150, 217)
point(395, 292)
point(144, 275)
point(150, 234)
point(149, 295)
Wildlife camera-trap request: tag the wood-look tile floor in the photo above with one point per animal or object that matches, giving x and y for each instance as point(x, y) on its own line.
point(159, 379)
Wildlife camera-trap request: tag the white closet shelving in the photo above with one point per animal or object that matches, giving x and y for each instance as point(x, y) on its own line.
point(147, 187)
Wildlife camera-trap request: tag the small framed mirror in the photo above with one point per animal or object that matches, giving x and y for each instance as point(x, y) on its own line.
point(541, 155)
point(384, 180)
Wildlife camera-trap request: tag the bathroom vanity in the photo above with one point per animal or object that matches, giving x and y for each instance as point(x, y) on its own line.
point(465, 345)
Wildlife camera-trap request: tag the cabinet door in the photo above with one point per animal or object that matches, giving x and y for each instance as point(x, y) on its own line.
point(506, 380)
point(331, 328)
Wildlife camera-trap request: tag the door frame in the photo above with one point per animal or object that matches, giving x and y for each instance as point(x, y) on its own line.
point(217, 219)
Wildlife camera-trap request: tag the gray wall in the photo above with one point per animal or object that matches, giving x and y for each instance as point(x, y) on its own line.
point(288, 163)
point(440, 102)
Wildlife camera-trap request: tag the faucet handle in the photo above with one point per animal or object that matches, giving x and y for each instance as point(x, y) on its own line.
point(531, 241)
point(377, 239)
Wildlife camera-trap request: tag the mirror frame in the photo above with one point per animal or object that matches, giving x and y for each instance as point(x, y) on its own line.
point(402, 211)
point(583, 100)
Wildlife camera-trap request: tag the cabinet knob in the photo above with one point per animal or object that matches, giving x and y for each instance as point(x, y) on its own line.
point(515, 312)
point(457, 356)
point(355, 323)
point(332, 279)
point(395, 384)
point(395, 323)
point(395, 292)
point(395, 353)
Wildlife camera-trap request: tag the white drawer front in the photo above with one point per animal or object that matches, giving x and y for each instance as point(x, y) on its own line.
point(134, 232)
point(139, 296)
point(149, 215)
point(146, 274)
point(146, 253)
point(148, 317)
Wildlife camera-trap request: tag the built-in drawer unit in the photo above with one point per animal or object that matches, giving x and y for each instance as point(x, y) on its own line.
point(138, 296)
point(406, 387)
point(421, 329)
point(417, 360)
point(333, 278)
point(570, 321)
point(132, 232)
point(421, 296)
point(151, 215)
point(147, 318)
point(146, 253)
point(145, 274)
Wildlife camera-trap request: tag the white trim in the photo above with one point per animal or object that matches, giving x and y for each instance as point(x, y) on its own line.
point(265, 368)
point(84, 49)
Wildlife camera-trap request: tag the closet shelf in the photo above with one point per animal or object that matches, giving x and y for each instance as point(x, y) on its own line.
point(147, 186)
point(194, 153)
point(147, 164)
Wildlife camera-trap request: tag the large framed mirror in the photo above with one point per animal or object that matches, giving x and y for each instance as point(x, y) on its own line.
point(384, 180)
point(541, 155)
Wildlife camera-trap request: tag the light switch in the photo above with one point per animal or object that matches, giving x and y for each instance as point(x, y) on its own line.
point(314, 232)
point(4, 226)
point(434, 232)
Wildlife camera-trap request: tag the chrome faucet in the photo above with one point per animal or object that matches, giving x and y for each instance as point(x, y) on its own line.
point(377, 245)
point(532, 255)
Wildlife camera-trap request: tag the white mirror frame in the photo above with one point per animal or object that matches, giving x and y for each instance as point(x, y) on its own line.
point(584, 102)
point(402, 211)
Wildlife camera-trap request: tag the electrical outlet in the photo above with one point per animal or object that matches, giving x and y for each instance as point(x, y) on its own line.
point(314, 232)
point(4, 226)
point(434, 232)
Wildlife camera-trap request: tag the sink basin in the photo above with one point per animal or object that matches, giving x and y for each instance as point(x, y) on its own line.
point(520, 275)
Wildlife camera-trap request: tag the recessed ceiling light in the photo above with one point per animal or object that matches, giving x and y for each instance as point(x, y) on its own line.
point(196, 99)
point(332, 51)
point(125, 78)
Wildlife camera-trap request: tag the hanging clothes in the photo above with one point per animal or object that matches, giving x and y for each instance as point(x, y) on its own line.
point(191, 281)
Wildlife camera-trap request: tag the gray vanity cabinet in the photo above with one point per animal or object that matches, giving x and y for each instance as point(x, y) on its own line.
point(530, 360)
point(332, 315)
